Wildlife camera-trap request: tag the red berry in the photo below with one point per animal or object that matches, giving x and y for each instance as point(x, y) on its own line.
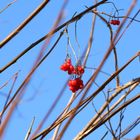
point(63, 67)
point(72, 89)
point(68, 64)
point(68, 61)
point(80, 70)
point(71, 67)
point(118, 22)
point(74, 83)
point(79, 81)
point(74, 71)
point(81, 86)
point(69, 83)
point(112, 22)
point(115, 22)
point(69, 72)
point(67, 67)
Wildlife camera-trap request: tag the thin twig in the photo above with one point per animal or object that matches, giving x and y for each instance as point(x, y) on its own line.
point(101, 118)
point(8, 97)
point(29, 130)
point(64, 112)
point(104, 135)
point(127, 26)
point(76, 38)
point(90, 40)
point(70, 44)
point(8, 80)
point(105, 73)
point(60, 15)
point(6, 7)
point(130, 127)
point(124, 20)
point(118, 16)
point(109, 121)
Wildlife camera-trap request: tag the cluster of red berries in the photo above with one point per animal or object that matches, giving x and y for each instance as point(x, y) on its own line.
point(115, 22)
point(67, 66)
point(76, 83)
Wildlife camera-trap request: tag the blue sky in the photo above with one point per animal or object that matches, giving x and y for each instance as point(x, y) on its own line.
point(48, 79)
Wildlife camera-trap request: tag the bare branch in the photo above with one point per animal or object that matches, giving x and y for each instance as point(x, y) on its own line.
point(24, 23)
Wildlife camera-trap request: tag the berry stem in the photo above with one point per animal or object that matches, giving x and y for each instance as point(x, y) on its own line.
point(76, 38)
point(69, 43)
